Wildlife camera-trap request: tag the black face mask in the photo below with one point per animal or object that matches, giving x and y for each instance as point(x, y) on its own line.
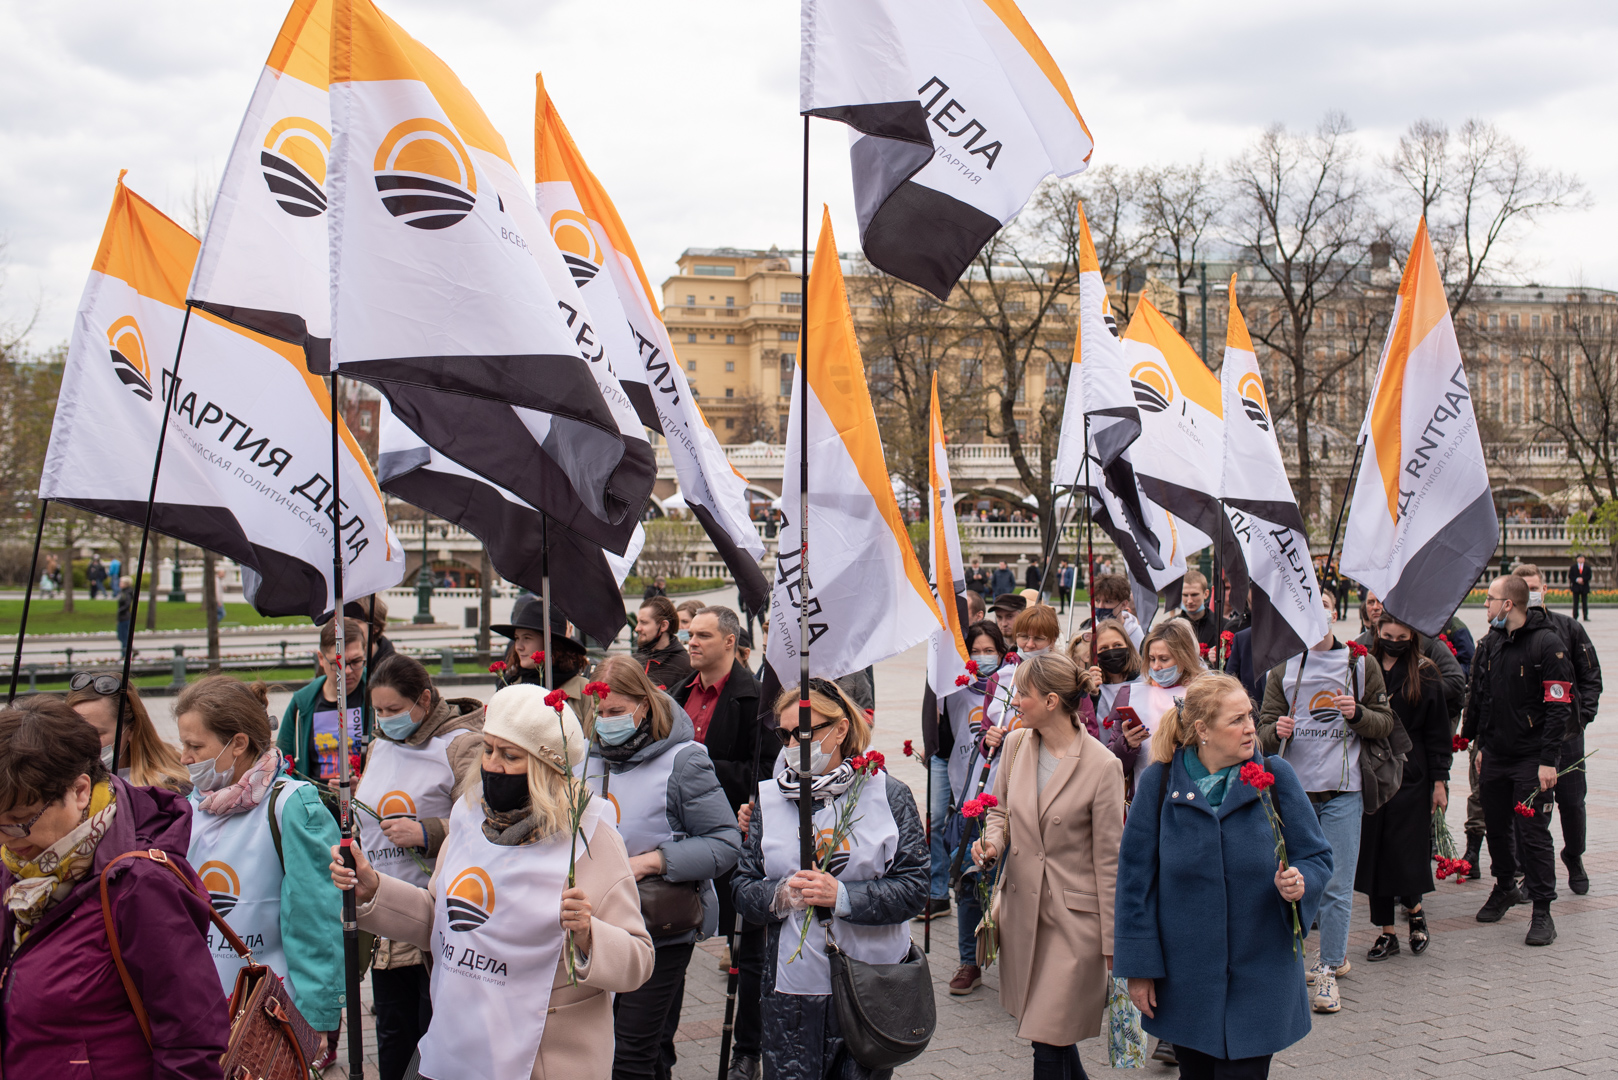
point(1395, 648)
point(1103, 613)
point(505, 792)
point(1114, 661)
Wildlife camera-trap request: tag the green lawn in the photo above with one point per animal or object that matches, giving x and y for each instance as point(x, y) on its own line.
point(288, 678)
point(98, 616)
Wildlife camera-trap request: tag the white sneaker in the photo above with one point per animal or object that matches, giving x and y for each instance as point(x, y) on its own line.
point(1313, 974)
point(1325, 999)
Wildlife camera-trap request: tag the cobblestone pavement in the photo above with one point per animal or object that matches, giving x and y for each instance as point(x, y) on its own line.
point(1478, 1003)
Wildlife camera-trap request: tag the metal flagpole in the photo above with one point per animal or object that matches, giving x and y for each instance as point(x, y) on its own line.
point(733, 941)
point(145, 535)
point(1342, 507)
point(345, 772)
point(27, 596)
point(806, 810)
point(1218, 598)
point(545, 595)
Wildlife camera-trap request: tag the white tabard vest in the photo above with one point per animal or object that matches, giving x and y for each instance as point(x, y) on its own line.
point(869, 850)
point(497, 937)
point(404, 781)
point(236, 860)
point(965, 711)
point(1323, 751)
point(639, 797)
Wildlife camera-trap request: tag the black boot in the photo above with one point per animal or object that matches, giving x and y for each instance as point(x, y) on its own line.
point(1474, 857)
point(1541, 931)
point(1499, 902)
point(1577, 879)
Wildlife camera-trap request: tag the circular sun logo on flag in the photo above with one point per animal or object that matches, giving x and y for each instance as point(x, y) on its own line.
point(128, 348)
point(571, 231)
point(294, 162)
point(1154, 390)
point(1250, 388)
point(424, 175)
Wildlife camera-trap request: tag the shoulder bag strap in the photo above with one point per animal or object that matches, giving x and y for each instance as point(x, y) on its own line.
point(275, 823)
point(160, 857)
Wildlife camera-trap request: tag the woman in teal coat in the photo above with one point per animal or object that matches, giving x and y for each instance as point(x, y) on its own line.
point(1203, 930)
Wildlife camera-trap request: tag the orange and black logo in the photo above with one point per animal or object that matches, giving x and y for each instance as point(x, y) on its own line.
point(1250, 388)
point(1323, 709)
point(396, 804)
point(224, 887)
point(294, 161)
point(839, 858)
point(1154, 390)
point(571, 231)
point(425, 175)
point(128, 348)
point(470, 899)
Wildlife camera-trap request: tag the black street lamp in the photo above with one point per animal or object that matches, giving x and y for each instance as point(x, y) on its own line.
point(424, 581)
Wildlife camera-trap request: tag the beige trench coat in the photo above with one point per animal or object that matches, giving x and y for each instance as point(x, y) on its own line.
point(1060, 874)
point(578, 1039)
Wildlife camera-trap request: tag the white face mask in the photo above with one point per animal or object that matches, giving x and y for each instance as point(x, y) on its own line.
point(1536, 599)
point(106, 757)
point(205, 775)
point(1029, 654)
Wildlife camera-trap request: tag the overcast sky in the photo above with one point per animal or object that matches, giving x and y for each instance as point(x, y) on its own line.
point(687, 111)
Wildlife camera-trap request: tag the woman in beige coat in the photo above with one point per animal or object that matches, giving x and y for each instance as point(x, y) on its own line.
point(505, 859)
point(1061, 812)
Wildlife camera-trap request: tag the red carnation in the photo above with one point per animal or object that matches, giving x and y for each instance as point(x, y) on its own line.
point(1356, 649)
point(555, 698)
point(538, 657)
point(972, 808)
point(875, 760)
point(498, 666)
point(1460, 743)
point(1227, 637)
point(598, 688)
point(1204, 650)
point(1013, 658)
point(1257, 776)
point(961, 680)
point(1523, 810)
point(1107, 722)
point(972, 666)
point(1445, 639)
point(988, 800)
point(1462, 869)
point(910, 751)
point(857, 761)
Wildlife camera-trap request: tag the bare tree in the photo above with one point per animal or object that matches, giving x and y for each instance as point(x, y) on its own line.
point(667, 544)
point(1575, 360)
point(1477, 188)
point(1179, 208)
point(1300, 210)
point(1111, 198)
point(756, 418)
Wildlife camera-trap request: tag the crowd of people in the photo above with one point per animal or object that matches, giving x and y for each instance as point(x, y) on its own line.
point(1142, 832)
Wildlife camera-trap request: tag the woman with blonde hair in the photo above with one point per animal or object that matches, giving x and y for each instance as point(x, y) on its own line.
point(880, 886)
point(527, 993)
point(1206, 916)
point(258, 841)
point(680, 834)
point(1172, 662)
point(1057, 822)
point(146, 760)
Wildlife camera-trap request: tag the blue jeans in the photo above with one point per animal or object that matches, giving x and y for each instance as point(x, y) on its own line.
point(939, 812)
point(1340, 821)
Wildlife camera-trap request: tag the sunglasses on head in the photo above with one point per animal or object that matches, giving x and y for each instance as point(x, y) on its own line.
point(829, 689)
point(106, 685)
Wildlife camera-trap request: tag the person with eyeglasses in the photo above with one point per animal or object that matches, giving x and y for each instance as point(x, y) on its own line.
point(309, 727)
point(259, 839)
point(879, 884)
point(146, 760)
point(63, 820)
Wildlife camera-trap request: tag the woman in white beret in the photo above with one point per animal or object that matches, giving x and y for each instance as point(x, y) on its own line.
point(504, 861)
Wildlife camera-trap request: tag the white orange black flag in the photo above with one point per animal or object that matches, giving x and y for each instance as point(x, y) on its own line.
point(960, 113)
point(1270, 536)
point(1422, 526)
point(580, 218)
point(946, 647)
point(866, 594)
point(438, 298)
point(248, 453)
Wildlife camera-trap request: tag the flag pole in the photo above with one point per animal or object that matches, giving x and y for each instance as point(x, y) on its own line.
point(1219, 591)
point(145, 535)
point(806, 810)
point(545, 595)
point(27, 596)
point(345, 772)
point(1342, 507)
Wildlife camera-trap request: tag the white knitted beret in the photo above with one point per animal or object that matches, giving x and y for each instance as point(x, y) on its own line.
point(518, 714)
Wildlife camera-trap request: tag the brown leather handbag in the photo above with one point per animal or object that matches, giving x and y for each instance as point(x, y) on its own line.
point(269, 1040)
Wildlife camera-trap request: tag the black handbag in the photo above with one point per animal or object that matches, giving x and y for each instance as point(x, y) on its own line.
point(886, 1011)
point(670, 907)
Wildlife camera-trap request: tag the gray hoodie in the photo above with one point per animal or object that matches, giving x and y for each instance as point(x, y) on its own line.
point(707, 841)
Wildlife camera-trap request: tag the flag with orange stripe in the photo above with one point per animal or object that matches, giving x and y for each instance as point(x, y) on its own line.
point(248, 453)
point(867, 598)
point(946, 648)
point(1422, 526)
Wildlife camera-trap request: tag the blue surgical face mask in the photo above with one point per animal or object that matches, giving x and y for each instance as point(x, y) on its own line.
point(987, 662)
point(683, 635)
point(616, 730)
point(400, 727)
point(1166, 676)
point(1499, 623)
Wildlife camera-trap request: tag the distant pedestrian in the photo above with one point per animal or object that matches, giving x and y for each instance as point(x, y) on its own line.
point(96, 575)
point(114, 571)
point(1003, 581)
point(657, 587)
point(126, 612)
point(1034, 578)
point(1064, 582)
point(1578, 581)
point(977, 578)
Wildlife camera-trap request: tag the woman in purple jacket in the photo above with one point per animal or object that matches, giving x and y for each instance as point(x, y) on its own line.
point(64, 1012)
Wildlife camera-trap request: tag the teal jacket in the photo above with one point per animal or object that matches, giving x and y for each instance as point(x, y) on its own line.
point(296, 738)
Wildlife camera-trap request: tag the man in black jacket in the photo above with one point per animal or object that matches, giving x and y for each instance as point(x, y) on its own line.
point(1578, 581)
point(721, 697)
point(658, 652)
point(1571, 788)
point(1520, 704)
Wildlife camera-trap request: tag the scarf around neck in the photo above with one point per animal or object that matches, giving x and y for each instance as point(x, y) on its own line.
point(248, 792)
point(51, 875)
point(825, 786)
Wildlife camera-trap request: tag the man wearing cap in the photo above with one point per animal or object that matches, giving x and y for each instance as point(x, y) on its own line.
point(1006, 609)
point(569, 660)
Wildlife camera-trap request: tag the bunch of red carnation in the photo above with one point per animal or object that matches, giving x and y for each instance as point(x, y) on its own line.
point(1460, 743)
point(1356, 649)
point(871, 762)
point(1458, 868)
point(1257, 776)
point(1445, 639)
point(910, 750)
point(1227, 637)
point(1524, 809)
point(976, 808)
point(498, 666)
